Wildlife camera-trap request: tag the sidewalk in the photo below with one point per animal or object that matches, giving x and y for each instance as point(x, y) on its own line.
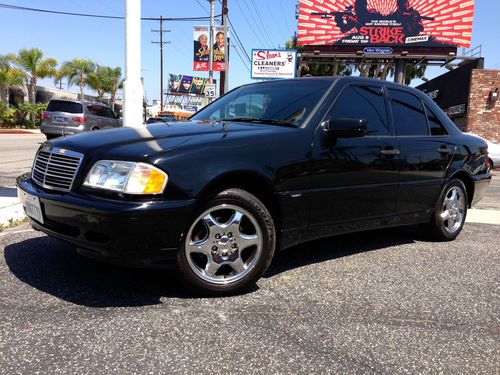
point(10, 208)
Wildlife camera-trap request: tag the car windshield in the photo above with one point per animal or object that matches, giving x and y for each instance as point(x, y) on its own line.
point(287, 103)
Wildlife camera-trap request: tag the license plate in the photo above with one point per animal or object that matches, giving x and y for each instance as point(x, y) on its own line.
point(59, 119)
point(31, 205)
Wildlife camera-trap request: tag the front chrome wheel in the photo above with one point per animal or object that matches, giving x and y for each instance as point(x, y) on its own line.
point(453, 210)
point(223, 244)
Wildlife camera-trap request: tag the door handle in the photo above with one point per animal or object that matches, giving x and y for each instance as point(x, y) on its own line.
point(444, 150)
point(389, 152)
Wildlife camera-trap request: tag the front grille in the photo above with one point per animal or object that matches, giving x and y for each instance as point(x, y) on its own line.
point(56, 168)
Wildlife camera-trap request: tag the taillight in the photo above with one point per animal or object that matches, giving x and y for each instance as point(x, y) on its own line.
point(44, 116)
point(79, 119)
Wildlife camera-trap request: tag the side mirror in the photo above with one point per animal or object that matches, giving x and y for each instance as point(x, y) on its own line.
point(346, 127)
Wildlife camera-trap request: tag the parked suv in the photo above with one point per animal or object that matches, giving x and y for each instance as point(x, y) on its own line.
point(67, 117)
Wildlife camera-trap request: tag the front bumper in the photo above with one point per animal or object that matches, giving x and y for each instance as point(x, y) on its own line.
point(144, 234)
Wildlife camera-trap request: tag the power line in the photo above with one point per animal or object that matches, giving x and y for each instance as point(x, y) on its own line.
point(249, 23)
point(241, 58)
point(255, 24)
point(264, 27)
point(239, 40)
point(15, 7)
point(201, 5)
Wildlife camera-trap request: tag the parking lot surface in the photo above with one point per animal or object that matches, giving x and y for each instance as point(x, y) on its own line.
point(378, 302)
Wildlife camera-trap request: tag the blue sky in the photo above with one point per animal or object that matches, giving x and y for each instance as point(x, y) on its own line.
point(259, 24)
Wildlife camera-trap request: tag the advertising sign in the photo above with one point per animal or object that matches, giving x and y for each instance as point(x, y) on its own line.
point(201, 56)
point(389, 23)
point(178, 83)
point(270, 63)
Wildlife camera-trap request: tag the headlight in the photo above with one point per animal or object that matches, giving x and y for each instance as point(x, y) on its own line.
point(126, 177)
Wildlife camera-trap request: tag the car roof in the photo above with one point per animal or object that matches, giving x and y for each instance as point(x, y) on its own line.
point(84, 102)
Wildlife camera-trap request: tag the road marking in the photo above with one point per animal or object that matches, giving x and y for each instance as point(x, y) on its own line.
point(16, 232)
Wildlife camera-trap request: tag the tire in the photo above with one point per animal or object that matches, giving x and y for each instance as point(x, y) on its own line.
point(449, 214)
point(51, 136)
point(94, 128)
point(229, 244)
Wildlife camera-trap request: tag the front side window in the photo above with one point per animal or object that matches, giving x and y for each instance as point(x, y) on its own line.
point(281, 102)
point(409, 116)
point(363, 102)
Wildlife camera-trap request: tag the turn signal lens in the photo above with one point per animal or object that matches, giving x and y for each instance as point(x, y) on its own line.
point(145, 179)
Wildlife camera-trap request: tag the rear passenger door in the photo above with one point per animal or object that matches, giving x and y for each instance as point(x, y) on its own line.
point(425, 151)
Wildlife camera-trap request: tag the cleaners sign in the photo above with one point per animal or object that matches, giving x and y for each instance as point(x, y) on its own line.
point(270, 63)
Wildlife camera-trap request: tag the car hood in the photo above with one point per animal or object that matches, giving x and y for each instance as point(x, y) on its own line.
point(148, 140)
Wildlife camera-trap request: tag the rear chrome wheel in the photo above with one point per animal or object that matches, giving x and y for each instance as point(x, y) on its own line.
point(450, 212)
point(453, 210)
point(229, 244)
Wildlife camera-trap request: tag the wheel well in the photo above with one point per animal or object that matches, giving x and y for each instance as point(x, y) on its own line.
point(469, 185)
point(252, 183)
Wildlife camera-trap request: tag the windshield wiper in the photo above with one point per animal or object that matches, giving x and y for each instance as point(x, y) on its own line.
point(259, 121)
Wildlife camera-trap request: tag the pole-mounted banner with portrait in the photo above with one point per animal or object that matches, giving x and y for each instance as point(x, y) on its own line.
point(201, 53)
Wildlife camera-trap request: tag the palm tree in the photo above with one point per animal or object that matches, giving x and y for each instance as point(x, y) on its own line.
point(32, 62)
point(77, 71)
point(98, 81)
point(115, 83)
point(9, 77)
point(59, 74)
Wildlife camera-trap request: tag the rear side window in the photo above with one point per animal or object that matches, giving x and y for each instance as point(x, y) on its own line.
point(409, 115)
point(96, 110)
point(363, 102)
point(63, 106)
point(435, 125)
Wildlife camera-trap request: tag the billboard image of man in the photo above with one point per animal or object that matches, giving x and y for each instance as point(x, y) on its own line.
point(411, 19)
point(174, 82)
point(197, 86)
point(201, 48)
point(219, 47)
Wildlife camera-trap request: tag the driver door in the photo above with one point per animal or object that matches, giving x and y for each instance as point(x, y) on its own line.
point(355, 178)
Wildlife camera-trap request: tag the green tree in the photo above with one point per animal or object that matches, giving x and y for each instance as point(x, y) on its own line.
point(77, 71)
point(98, 81)
point(58, 76)
point(115, 82)
point(35, 66)
point(9, 77)
point(334, 69)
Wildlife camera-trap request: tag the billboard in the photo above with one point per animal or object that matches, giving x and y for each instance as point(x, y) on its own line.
point(270, 63)
point(182, 84)
point(386, 23)
point(201, 53)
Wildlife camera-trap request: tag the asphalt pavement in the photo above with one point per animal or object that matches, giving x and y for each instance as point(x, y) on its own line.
point(385, 301)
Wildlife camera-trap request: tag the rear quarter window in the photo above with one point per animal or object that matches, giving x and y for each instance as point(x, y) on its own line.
point(410, 118)
point(62, 106)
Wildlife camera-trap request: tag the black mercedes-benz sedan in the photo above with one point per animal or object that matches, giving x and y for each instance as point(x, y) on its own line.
point(265, 167)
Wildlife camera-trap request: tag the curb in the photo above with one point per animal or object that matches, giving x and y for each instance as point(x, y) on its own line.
point(11, 213)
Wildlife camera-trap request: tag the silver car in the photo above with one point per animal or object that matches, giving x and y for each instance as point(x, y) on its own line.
point(66, 117)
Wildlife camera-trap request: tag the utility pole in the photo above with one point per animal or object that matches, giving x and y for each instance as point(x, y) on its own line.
point(132, 88)
point(400, 71)
point(224, 74)
point(161, 43)
point(211, 56)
